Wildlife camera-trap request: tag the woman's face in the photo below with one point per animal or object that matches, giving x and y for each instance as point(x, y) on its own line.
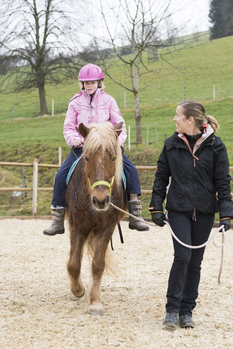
point(182, 124)
point(90, 86)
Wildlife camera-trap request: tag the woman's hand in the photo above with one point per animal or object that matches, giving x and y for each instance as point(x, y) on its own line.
point(226, 222)
point(158, 218)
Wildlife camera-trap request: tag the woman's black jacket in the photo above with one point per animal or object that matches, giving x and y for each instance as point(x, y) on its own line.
point(200, 180)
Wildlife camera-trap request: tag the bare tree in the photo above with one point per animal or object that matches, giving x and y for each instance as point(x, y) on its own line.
point(136, 27)
point(139, 21)
point(36, 45)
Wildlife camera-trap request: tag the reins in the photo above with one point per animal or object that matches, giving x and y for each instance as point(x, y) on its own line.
point(211, 238)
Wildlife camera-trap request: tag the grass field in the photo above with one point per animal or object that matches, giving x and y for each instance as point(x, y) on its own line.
point(197, 68)
point(24, 136)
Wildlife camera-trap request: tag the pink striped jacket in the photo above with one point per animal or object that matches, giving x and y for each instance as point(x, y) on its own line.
point(82, 109)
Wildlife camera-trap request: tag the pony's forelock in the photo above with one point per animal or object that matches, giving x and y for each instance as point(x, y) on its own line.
point(102, 137)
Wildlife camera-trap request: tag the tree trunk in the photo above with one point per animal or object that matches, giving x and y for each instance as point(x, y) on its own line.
point(137, 119)
point(43, 103)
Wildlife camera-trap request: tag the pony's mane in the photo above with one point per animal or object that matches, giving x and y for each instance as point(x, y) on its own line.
point(102, 137)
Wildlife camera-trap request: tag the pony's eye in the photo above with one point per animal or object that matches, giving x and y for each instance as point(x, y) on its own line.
point(87, 159)
point(114, 159)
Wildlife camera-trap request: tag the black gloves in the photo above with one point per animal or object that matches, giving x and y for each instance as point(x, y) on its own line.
point(226, 222)
point(158, 218)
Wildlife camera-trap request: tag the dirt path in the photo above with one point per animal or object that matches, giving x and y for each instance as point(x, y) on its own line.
point(35, 310)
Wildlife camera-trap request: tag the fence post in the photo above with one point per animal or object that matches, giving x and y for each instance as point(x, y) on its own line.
point(34, 186)
point(129, 137)
point(214, 92)
point(59, 155)
point(52, 107)
point(147, 135)
point(156, 134)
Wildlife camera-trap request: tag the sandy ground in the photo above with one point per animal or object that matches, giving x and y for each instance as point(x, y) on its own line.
point(36, 312)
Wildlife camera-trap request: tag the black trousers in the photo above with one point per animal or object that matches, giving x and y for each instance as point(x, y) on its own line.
point(185, 272)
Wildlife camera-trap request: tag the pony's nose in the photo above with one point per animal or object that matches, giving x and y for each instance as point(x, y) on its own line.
point(101, 205)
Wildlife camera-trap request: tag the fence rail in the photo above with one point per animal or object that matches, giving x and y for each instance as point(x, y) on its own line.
point(35, 165)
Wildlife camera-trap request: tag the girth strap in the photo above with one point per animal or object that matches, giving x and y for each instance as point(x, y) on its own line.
point(121, 236)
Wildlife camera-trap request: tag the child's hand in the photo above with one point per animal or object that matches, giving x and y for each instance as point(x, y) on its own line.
point(77, 142)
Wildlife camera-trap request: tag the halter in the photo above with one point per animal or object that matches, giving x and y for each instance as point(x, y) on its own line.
point(107, 184)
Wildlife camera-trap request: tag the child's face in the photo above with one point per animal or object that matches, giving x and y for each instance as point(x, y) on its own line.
point(90, 86)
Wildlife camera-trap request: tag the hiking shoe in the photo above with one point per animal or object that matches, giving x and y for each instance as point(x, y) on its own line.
point(57, 226)
point(171, 321)
point(135, 208)
point(186, 321)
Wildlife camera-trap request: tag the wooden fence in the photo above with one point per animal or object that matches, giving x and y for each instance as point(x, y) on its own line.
point(35, 165)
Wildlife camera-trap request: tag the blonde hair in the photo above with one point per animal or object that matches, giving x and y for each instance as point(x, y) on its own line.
point(100, 84)
point(103, 137)
point(197, 111)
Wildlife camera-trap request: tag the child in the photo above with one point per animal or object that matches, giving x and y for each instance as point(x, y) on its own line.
point(89, 105)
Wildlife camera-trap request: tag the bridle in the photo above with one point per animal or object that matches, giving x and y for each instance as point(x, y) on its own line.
point(105, 183)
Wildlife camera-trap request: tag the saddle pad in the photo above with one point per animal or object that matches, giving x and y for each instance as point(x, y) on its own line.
point(123, 178)
point(71, 170)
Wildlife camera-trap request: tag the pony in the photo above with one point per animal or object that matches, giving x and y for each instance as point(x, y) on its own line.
point(95, 182)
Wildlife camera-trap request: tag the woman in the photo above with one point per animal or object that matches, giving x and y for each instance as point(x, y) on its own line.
point(92, 105)
point(197, 162)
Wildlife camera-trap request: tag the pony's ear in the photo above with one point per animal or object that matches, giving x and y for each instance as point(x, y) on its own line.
point(83, 130)
point(118, 128)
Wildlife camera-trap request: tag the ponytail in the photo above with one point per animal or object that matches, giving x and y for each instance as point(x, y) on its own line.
point(213, 122)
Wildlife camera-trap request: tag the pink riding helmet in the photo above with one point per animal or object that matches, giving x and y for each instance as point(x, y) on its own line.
point(90, 72)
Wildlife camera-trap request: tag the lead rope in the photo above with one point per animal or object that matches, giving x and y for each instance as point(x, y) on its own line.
point(221, 264)
point(211, 238)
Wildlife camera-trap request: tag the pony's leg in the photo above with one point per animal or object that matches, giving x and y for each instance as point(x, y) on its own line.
point(98, 266)
point(74, 266)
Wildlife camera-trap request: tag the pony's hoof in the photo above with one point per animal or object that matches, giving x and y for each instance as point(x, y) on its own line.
point(76, 298)
point(96, 309)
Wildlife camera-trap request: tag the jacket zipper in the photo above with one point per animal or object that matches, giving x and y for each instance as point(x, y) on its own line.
point(91, 109)
point(194, 217)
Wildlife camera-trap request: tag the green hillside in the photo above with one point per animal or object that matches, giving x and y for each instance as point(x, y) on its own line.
point(190, 73)
point(197, 68)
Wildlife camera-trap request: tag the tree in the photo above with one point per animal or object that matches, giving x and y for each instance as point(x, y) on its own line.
point(36, 44)
point(221, 17)
point(139, 22)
